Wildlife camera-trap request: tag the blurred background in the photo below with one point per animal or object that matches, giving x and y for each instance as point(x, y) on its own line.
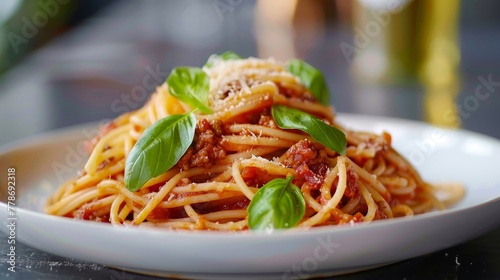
point(64, 62)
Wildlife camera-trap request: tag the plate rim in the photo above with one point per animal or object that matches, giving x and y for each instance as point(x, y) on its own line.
point(71, 134)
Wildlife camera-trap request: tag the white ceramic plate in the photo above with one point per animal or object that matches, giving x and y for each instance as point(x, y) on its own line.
point(440, 155)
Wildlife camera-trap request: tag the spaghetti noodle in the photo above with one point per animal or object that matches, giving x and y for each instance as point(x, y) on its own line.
point(236, 150)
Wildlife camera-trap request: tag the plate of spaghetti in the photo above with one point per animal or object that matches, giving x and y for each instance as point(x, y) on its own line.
point(242, 167)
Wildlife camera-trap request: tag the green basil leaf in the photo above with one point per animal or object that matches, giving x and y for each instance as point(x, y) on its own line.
point(330, 136)
point(229, 55)
point(190, 85)
point(277, 204)
point(159, 148)
point(311, 78)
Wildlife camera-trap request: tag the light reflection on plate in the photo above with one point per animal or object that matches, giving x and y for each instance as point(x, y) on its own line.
point(43, 162)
